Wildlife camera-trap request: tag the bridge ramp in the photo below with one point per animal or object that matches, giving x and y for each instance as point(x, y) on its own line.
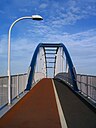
point(37, 109)
point(76, 112)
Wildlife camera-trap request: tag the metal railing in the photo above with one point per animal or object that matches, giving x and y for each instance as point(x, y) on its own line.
point(18, 84)
point(86, 84)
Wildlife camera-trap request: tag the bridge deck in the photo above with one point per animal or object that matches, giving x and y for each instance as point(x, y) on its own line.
point(76, 113)
point(36, 110)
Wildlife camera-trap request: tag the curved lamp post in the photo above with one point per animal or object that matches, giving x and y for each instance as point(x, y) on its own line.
point(33, 17)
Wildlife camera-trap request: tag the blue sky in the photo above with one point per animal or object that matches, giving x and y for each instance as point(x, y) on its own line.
point(72, 22)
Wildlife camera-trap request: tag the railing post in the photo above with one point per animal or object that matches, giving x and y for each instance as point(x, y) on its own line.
point(23, 83)
point(81, 83)
point(87, 85)
point(17, 86)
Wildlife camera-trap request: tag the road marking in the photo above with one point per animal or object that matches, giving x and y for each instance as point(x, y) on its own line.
point(61, 115)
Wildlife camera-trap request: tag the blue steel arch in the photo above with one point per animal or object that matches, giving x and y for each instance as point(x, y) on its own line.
point(33, 63)
point(32, 67)
point(71, 67)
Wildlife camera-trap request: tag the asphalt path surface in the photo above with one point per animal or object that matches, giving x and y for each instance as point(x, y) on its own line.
point(77, 114)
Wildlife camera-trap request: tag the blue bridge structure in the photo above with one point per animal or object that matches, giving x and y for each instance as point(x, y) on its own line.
point(51, 94)
point(53, 60)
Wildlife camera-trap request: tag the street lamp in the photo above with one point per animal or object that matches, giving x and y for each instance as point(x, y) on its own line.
point(33, 17)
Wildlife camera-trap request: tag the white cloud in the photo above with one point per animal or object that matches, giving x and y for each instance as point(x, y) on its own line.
point(43, 6)
point(73, 11)
point(24, 10)
point(3, 45)
point(81, 46)
point(22, 50)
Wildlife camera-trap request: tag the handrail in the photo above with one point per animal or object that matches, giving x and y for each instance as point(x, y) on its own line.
point(80, 82)
point(81, 90)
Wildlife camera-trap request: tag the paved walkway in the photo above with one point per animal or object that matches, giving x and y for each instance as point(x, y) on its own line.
point(37, 109)
point(76, 113)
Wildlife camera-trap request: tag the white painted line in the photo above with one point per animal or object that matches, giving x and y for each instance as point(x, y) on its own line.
point(61, 114)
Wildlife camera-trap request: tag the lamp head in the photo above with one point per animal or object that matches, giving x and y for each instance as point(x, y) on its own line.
point(37, 17)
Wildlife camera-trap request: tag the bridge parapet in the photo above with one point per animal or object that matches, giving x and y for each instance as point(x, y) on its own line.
point(18, 85)
point(86, 84)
